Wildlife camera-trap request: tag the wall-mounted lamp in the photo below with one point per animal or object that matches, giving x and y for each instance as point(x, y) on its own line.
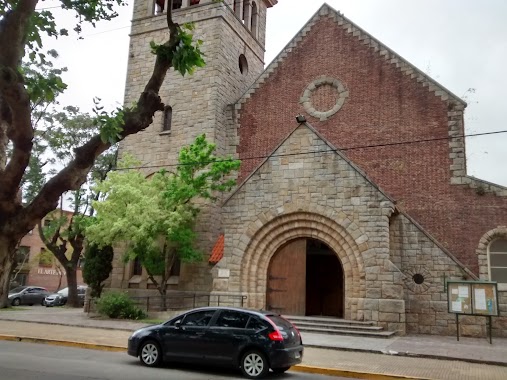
point(300, 119)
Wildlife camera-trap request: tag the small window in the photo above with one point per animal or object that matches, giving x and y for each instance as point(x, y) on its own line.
point(168, 116)
point(22, 254)
point(498, 261)
point(159, 7)
point(233, 319)
point(177, 4)
point(175, 270)
point(244, 18)
point(137, 268)
point(243, 65)
point(194, 2)
point(199, 318)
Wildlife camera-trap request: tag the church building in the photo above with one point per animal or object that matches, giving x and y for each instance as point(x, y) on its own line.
point(353, 199)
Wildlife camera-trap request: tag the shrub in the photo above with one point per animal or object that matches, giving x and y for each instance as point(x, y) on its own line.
point(119, 305)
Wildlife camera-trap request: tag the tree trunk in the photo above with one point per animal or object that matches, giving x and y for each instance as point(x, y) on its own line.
point(72, 299)
point(7, 249)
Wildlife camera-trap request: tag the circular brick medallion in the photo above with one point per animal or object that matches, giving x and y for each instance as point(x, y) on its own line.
point(324, 97)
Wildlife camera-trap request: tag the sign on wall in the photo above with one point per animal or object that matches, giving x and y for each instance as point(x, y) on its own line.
point(473, 297)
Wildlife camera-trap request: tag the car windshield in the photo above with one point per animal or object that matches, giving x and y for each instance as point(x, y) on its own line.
point(18, 289)
point(64, 292)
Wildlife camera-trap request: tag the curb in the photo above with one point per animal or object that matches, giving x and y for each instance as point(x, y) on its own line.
point(298, 368)
point(65, 343)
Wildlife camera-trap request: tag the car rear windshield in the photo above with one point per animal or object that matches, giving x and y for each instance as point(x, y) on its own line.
point(280, 322)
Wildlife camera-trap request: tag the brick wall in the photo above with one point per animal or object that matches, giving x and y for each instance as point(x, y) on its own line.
point(385, 105)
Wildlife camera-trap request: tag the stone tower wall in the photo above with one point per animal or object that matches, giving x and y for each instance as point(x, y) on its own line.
point(200, 102)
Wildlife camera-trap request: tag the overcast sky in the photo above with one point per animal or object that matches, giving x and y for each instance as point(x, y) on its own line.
point(462, 44)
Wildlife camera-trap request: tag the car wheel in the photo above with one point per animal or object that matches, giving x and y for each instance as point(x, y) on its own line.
point(150, 354)
point(280, 370)
point(43, 303)
point(16, 302)
point(254, 365)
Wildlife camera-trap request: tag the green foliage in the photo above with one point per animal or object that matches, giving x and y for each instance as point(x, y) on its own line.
point(155, 216)
point(187, 55)
point(119, 306)
point(45, 258)
point(110, 126)
point(97, 267)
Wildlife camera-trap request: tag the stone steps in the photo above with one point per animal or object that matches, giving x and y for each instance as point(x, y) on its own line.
point(336, 326)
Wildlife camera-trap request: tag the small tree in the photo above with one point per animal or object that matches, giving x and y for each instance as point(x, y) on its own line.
point(155, 216)
point(97, 267)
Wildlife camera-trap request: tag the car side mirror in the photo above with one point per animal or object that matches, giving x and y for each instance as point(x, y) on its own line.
point(177, 324)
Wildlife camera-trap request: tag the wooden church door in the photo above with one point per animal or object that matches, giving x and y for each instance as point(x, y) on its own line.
point(286, 290)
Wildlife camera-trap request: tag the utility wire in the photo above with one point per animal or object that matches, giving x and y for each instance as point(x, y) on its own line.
point(323, 151)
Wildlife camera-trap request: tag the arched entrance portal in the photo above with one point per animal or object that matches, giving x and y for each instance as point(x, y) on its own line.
point(305, 277)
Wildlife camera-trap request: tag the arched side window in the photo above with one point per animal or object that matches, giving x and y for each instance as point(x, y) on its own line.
point(168, 116)
point(194, 2)
point(255, 17)
point(497, 260)
point(176, 4)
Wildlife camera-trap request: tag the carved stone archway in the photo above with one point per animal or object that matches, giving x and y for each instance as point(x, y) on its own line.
point(482, 249)
point(343, 238)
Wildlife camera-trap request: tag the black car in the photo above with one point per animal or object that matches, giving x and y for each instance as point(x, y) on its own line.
point(250, 340)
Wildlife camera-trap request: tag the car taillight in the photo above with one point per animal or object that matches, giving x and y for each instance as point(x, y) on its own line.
point(275, 335)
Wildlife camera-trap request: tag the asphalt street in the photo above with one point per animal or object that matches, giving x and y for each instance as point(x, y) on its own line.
point(29, 361)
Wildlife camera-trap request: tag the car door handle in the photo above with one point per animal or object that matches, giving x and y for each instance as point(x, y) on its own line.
point(200, 333)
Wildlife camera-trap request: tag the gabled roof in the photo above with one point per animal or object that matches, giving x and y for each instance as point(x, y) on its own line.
point(331, 147)
point(363, 38)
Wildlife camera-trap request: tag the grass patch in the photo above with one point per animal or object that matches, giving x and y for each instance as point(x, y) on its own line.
point(10, 308)
point(152, 321)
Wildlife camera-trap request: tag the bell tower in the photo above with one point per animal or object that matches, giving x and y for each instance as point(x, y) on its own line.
point(233, 34)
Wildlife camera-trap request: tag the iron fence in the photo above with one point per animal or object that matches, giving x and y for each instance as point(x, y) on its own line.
point(181, 302)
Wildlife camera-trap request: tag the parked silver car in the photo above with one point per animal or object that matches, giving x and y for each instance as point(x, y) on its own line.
point(27, 295)
point(60, 298)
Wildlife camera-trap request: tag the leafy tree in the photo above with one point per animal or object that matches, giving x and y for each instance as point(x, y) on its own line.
point(22, 28)
point(97, 267)
point(155, 216)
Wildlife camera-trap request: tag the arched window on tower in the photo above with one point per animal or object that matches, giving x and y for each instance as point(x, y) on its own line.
point(497, 260)
point(255, 16)
point(176, 4)
point(237, 8)
point(246, 7)
point(168, 116)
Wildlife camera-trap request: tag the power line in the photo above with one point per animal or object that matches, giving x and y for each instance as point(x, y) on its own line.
point(325, 151)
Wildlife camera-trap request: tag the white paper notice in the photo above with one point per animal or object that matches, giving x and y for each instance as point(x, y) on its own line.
point(456, 306)
point(480, 299)
point(454, 291)
point(463, 291)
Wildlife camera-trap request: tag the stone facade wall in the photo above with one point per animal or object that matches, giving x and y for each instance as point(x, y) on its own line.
point(389, 101)
point(200, 104)
point(415, 253)
point(319, 195)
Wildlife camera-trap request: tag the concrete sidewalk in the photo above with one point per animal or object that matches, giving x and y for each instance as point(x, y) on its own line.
point(325, 354)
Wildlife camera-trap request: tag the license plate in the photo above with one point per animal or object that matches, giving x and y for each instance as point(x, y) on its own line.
point(297, 355)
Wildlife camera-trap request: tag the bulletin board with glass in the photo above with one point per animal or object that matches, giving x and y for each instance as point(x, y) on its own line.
point(478, 298)
point(473, 297)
